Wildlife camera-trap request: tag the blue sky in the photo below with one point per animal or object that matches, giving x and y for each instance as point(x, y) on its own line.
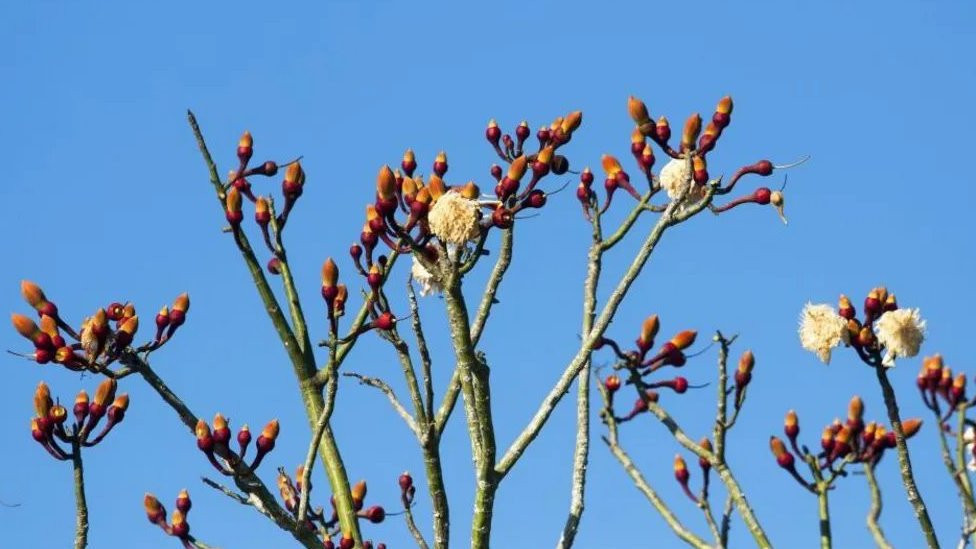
point(106, 199)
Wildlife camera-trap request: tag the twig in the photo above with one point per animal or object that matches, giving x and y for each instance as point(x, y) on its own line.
point(726, 522)
point(394, 401)
point(418, 537)
point(81, 503)
point(874, 512)
point(313, 448)
point(904, 461)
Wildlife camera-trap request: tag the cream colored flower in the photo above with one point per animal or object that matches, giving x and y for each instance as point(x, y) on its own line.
point(969, 441)
point(429, 284)
point(901, 332)
point(822, 329)
point(675, 178)
point(454, 219)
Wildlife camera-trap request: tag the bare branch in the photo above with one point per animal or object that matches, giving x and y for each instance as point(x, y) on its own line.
point(394, 401)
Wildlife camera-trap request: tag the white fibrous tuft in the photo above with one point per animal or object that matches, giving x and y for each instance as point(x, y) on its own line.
point(454, 219)
point(901, 332)
point(822, 329)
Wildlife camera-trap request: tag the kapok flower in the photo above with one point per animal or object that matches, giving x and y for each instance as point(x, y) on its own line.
point(969, 439)
point(454, 219)
point(429, 284)
point(901, 332)
point(675, 178)
point(822, 329)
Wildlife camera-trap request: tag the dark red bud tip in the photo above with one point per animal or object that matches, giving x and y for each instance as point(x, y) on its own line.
point(328, 544)
point(43, 356)
point(680, 385)
point(559, 165)
point(385, 321)
point(375, 514)
point(405, 481)
point(274, 266)
point(763, 168)
point(264, 444)
point(761, 196)
point(612, 383)
point(586, 178)
point(346, 543)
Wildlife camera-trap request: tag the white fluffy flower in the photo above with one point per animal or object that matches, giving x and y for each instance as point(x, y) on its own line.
point(429, 284)
point(901, 332)
point(969, 440)
point(454, 219)
point(822, 329)
point(675, 178)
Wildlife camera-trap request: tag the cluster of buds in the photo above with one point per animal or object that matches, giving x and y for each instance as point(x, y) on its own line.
point(687, 173)
point(291, 493)
point(97, 344)
point(239, 188)
point(683, 476)
point(851, 441)
point(639, 362)
point(214, 441)
point(936, 383)
point(883, 328)
point(177, 526)
point(48, 426)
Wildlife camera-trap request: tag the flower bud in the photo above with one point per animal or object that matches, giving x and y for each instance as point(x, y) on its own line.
point(405, 481)
point(232, 207)
point(845, 309)
point(791, 426)
point(855, 409)
point(245, 147)
point(358, 493)
point(330, 277)
point(183, 502)
point(690, 133)
point(386, 185)
point(374, 514)
point(409, 163)
point(723, 112)
point(204, 438)
point(116, 412)
point(105, 393)
point(440, 164)
point(127, 332)
point(702, 462)
point(612, 383)
point(911, 426)
point(783, 457)
point(243, 438)
point(681, 473)
point(294, 181)
point(683, 340)
point(221, 432)
point(266, 440)
point(42, 400)
point(262, 211)
point(80, 408)
point(35, 297)
point(649, 329)
point(638, 111)
point(179, 526)
point(155, 511)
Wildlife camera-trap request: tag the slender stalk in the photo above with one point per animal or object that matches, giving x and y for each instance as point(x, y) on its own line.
point(438, 494)
point(81, 502)
point(418, 537)
point(874, 512)
point(824, 514)
point(904, 461)
point(582, 451)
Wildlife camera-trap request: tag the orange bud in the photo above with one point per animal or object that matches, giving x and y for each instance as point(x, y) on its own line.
point(517, 169)
point(24, 326)
point(105, 392)
point(182, 302)
point(408, 156)
point(435, 186)
point(219, 422)
point(330, 273)
point(359, 491)
point(911, 426)
point(202, 430)
point(42, 400)
point(746, 362)
point(154, 510)
point(855, 409)
point(470, 191)
point(130, 326)
point(571, 122)
point(783, 457)
point(680, 468)
point(270, 430)
point(121, 402)
point(610, 165)
point(684, 339)
point(233, 201)
point(690, 132)
point(409, 187)
point(295, 174)
point(386, 185)
point(246, 140)
point(261, 208)
point(49, 326)
point(32, 293)
point(638, 111)
point(649, 329)
point(724, 105)
point(545, 155)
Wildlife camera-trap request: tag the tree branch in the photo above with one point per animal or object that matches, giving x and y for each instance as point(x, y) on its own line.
point(874, 513)
point(394, 401)
point(81, 502)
